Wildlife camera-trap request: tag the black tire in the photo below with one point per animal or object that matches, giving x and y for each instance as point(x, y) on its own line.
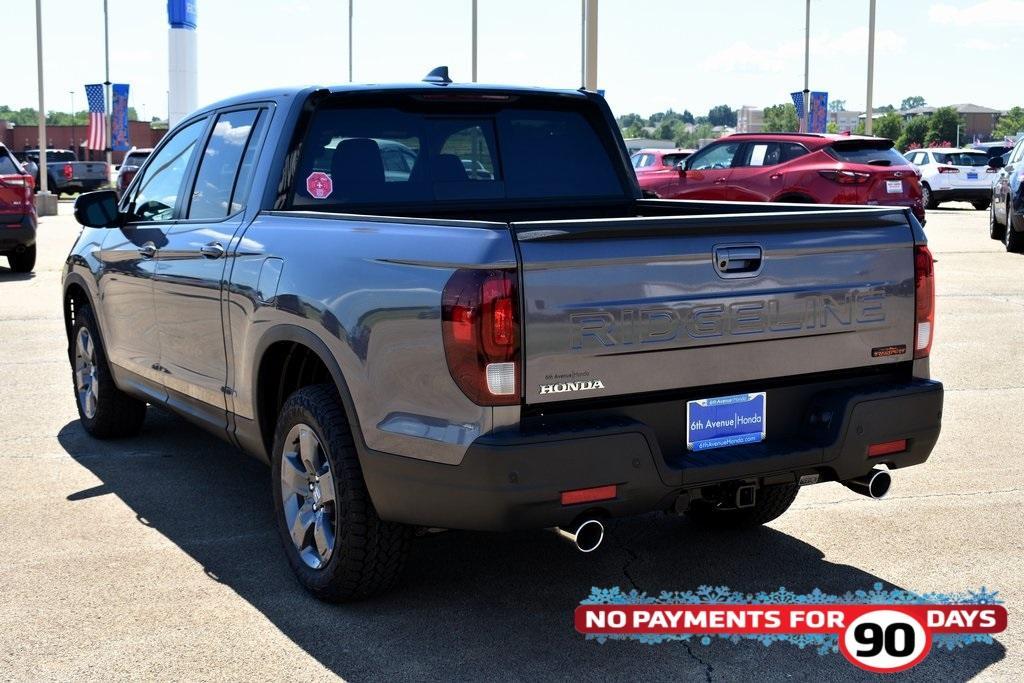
point(1012, 237)
point(980, 206)
point(23, 262)
point(995, 230)
point(369, 553)
point(772, 502)
point(928, 198)
point(116, 413)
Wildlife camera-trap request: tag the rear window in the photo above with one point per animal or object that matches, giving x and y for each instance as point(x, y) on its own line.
point(386, 155)
point(59, 156)
point(867, 152)
point(135, 159)
point(7, 165)
point(962, 158)
point(674, 159)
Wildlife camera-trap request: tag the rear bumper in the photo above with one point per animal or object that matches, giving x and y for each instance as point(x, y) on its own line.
point(17, 232)
point(514, 480)
point(965, 194)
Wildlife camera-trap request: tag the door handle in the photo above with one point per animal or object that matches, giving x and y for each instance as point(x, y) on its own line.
point(738, 261)
point(147, 250)
point(212, 250)
point(775, 176)
point(720, 181)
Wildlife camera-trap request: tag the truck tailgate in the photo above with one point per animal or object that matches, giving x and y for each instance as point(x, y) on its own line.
point(633, 305)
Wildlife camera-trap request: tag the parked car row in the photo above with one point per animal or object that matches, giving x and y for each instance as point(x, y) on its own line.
point(786, 167)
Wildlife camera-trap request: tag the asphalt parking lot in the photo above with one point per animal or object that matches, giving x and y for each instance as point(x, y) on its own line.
point(156, 557)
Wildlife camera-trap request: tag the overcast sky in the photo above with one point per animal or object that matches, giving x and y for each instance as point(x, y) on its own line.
point(653, 54)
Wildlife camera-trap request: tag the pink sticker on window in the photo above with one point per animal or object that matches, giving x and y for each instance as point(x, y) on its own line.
point(319, 185)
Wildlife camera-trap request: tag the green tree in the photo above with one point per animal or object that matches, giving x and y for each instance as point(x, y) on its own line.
point(837, 105)
point(832, 127)
point(1011, 123)
point(914, 132)
point(633, 131)
point(667, 129)
point(722, 115)
point(942, 125)
point(687, 117)
point(889, 126)
point(911, 102)
point(781, 118)
point(627, 120)
point(884, 109)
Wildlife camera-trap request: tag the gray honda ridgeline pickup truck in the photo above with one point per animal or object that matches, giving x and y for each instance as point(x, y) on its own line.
point(440, 306)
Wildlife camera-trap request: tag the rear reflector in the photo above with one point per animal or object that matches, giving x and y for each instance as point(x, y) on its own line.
point(924, 295)
point(887, 448)
point(588, 495)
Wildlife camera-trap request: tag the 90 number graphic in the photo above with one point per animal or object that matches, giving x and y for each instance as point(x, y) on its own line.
point(885, 641)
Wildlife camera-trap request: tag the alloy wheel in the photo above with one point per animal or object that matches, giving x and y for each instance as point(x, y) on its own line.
point(86, 384)
point(308, 496)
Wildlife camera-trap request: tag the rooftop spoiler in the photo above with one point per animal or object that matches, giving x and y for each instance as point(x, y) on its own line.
point(438, 76)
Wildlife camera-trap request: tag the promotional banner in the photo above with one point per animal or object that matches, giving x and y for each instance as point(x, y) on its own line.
point(97, 137)
point(119, 117)
point(818, 114)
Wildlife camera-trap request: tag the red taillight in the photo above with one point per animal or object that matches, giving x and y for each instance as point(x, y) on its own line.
point(924, 296)
point(68, 171)
point(846, 177)
point(480, 327)
point(588, 495)
point(887, 448)
point(948, 169)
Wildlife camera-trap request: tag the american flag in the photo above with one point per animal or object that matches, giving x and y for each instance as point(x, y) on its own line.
point(97, 125)
point(798, 102)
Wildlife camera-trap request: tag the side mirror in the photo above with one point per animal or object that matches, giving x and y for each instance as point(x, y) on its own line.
point(681, 168)
point(996, 162)
point(98, 209)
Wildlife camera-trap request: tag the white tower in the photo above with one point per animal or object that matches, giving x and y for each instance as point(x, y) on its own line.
point(182, 94)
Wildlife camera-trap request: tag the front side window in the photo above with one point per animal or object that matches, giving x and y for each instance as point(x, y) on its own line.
point(719, 155)
point(159, 192)
point(218, 169)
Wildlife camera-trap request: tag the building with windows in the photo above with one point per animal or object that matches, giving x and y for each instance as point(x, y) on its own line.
point(749, 119)
point(18, 138)
point(845, 119)
point(978, 121)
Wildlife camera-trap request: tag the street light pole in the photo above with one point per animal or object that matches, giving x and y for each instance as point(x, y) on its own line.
point(74, 141)
point(807, 65)
point(106, 81)
point(350, 41)
point(869, 114)
point(45, 206)
point(474, 41)
point(590, 44)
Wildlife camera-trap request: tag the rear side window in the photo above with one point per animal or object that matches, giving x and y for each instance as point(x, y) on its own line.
point(383, 155)
point(867, 152)
point(218, 169)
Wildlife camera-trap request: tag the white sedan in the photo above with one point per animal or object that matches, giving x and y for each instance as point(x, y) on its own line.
point(950, 174)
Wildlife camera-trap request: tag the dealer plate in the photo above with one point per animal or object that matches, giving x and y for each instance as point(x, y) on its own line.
point(971, 175)
point(894, 186)
point(726, 421)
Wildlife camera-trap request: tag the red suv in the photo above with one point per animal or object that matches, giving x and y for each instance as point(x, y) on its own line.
point(794, 167)
point(17, 214)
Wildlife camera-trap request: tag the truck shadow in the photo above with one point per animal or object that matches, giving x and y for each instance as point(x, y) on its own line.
point(474, 605)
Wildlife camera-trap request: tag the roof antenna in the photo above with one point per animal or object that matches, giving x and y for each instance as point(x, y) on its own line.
point(438, 75)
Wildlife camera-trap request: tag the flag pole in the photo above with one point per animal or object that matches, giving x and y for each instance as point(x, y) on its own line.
point(106, 83)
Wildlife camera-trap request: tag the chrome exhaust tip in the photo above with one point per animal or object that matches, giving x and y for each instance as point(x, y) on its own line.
point(875, 484)
point(586, 536)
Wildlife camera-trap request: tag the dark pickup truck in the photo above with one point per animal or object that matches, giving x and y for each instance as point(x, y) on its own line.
point(315, 276)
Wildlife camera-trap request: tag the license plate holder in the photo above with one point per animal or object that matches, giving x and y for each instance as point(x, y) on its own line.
point(894, 186)
point(726, 421)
